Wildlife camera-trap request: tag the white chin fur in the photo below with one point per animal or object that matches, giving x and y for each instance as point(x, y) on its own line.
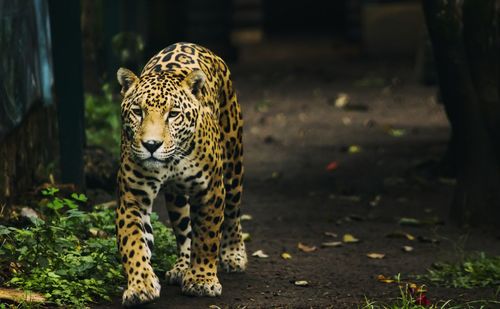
point(152, 164)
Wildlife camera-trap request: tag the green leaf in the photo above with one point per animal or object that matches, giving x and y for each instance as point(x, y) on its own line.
point(56, 204)
point(50, 191)
point(4, 230)
point(79, 197)
point(70, 203)
point(410, 222)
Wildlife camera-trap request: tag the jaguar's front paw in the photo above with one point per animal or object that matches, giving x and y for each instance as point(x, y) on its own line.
point(208, 286)
point(143, 290)
point(176, 274)
point(234, 258)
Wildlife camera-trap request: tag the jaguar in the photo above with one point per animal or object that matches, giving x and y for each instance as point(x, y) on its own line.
point(182, 133)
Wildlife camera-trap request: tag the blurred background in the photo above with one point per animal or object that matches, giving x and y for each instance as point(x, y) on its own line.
point(341, 63)
point(65, 57)
point(332, 73)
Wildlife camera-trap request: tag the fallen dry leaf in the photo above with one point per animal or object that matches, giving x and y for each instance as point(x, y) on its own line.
point(260, 254)
point(305, 248)
point(384, 279)
point(349, 238)
point(400, 234)
point(407, 248)
point(374, 255)
point(301, 283)
point(409, 236)
point(246, 217)
point(246, 236)
point(331, 244)
point(354, 149)
point(342, 100)
point(332, 166)
point(286, 256)
point(331, 234)
point(396, 132)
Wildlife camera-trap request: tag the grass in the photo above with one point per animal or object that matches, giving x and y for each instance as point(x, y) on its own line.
point(478, 270)
point(411, 296)
point(407, 304)
point(475, 271)
point(70, 255)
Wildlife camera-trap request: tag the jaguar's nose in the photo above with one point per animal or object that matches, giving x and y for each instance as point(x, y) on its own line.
point(152, 145)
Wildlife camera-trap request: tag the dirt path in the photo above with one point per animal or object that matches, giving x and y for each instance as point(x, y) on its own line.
point(293, 132)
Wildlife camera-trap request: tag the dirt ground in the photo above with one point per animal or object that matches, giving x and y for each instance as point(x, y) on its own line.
point(304, 178)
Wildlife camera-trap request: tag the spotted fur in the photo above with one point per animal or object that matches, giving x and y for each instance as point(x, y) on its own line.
point(182, 131)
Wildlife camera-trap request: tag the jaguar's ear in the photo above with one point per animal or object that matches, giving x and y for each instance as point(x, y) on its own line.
point(195, 82)
point(126, 78)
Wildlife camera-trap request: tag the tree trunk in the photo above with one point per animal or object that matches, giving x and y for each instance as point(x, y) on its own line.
point(68, 78)
point(465, 79)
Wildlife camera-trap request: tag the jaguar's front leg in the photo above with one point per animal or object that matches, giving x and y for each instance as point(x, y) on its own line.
point(135, 240)
point(207, 213)
point(178, 210)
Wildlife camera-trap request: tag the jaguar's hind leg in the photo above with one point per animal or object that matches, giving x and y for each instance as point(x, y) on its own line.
point(233, 257)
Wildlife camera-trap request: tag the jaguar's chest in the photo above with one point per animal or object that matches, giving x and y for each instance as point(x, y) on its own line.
point(188, 179)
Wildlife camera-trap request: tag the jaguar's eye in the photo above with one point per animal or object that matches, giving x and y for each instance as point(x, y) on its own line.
point(173, 114)
point(137, 111)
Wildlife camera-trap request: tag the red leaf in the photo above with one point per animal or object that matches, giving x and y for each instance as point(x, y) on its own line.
point(332, 166)
point(422, 300)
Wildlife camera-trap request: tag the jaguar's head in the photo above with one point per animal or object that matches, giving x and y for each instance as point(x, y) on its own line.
point(159, 115)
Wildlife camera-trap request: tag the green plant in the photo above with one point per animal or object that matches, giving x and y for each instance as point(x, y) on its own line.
point(405, 304)
point(102, 116)
point(412, 296)
point(71, 256)
point(478, 270)
point(19, 306)
point(405, 301)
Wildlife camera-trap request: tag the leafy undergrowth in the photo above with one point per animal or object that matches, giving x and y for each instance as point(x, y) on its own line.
point(70, 255)
point(478, 270)
point(405, 302)
point(102, 116)
point(413, 296)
